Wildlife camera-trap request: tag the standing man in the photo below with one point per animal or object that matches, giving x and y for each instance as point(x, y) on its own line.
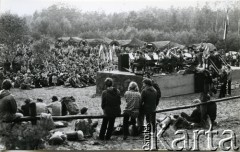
point(111, 101)
point(223, 80)
point(229, 78)
point(1, 77)
point(148, 104)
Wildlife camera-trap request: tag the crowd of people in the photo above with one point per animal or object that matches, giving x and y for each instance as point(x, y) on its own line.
point(76, 66)
point(141, 105)
point(233, 59)
point(68, 65)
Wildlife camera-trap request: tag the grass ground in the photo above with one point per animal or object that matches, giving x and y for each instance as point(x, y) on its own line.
point(228, 116)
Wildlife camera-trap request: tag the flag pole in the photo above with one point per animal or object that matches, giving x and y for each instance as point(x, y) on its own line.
point(226, 24)
point(239, 34)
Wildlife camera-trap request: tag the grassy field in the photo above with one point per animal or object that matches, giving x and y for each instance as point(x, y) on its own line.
point(228, 116)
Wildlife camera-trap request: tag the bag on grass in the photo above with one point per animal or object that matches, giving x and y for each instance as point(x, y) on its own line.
point(85, 126)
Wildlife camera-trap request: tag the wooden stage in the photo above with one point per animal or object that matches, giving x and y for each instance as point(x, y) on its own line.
point(171, 85)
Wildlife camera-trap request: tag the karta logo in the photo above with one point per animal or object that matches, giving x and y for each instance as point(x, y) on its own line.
point(226, 142)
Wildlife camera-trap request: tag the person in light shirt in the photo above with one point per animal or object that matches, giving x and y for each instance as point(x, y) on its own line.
point(41, 107)
point(56, 106)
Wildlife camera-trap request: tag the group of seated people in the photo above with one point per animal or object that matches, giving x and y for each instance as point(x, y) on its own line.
point(10, 110)
point(64, 66)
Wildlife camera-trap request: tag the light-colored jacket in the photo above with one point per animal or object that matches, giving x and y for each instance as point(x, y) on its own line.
point(56, 108)
point(133, 99)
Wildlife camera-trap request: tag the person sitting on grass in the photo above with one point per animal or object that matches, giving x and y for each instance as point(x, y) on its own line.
point(56, 106)
point(200, 115)
point(8, 105)
point(41, 107)
point(26, 107)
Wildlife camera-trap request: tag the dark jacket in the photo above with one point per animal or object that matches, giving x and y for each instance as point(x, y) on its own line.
point(8, 106)
point(148, 100)
point(159, 94)
point(111, 101)
point(223, 77)
point(211, 110)
point(25, 109)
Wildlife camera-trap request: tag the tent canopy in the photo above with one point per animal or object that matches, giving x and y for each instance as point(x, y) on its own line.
point(114, 42)
point(107, 40)
point(75, 39)
point(210, 46)
point(120, 42)
point(63, 39)
point(134, 43)
point(163, 44)
point(98, 41)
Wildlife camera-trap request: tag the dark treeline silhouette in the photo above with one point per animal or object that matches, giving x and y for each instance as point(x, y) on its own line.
point(185, 26)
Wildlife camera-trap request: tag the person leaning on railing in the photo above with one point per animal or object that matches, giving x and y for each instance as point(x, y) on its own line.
point(148, 104)
point(131, 111)
point(111, 101)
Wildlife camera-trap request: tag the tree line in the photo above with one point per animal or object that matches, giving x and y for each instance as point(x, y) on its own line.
point(185, 26)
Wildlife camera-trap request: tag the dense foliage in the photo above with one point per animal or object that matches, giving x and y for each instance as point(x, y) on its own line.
point(185, 26)
point(13, 32)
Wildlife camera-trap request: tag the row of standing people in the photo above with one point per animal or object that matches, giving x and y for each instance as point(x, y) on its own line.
point(139, 106)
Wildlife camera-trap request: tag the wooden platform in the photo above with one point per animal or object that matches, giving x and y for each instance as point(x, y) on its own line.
point(175, 84)
point(121, 80)
point(171, 85)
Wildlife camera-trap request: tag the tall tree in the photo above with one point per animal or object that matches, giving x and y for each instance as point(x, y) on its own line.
point(13, 31)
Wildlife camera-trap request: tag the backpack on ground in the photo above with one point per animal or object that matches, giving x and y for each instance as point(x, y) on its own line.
point(70, 105)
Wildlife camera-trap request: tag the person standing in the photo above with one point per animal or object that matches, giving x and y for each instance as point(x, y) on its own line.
point(229, 78)
point(223, 80)
point(133, 98)
point(111, 101)
point(148, 104)
point(8, 105)
point(2, 77)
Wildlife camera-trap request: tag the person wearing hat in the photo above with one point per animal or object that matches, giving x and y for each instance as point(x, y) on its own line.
point(56, 106)
point(111, 101)
point(8, 105)
point(148, 104)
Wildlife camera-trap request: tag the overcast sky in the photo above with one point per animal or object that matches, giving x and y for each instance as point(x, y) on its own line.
point(28, 7)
